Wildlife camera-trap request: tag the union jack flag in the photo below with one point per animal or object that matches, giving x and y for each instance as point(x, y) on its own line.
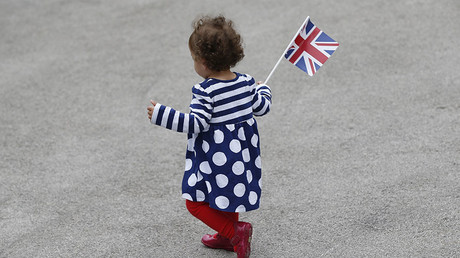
point(311, 48)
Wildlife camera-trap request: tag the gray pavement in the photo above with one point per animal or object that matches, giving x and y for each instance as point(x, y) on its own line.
point(361, 160)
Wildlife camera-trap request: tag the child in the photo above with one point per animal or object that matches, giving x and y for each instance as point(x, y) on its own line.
point(222, 167)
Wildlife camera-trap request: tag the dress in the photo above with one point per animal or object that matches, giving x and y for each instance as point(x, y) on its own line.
point(223, 164)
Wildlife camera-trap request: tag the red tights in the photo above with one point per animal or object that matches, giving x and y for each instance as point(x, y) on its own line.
point(221, 221)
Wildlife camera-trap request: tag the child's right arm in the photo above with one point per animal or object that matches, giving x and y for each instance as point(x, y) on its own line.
point(262, 100)
point(194, 122)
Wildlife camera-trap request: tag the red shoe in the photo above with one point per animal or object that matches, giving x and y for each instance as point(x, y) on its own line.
point(217, 241)
point(242, 239)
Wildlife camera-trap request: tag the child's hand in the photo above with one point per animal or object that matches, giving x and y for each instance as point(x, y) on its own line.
point(260, 82)
point(150, 109)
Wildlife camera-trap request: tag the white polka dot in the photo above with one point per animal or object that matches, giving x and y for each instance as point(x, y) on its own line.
point(205, 146)
point(221, 180)
point(258, 162)
point(238, 168)
point(205, 168)
point(239, 190)
point(252, 197)
point(192, 180)
point(208, 185)
point(246, 156)
point(187, 196)
point(251, 121)
point(260, 183)
point(249, 176)
point(219, 158)
point(191, 144)
point(188, 164)
point(230, 127)
point(199, 196)
point(235, 146)
point(199, 176)
point(241, 134)
point(254, 140)
point(240, 208)
point(222, 202)
point(218, 136)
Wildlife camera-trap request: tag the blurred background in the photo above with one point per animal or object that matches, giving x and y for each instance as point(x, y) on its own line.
point(361, 160)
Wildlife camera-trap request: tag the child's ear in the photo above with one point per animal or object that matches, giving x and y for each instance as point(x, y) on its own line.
point(203, 65)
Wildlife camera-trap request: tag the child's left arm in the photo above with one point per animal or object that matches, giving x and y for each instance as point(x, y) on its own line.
point(194, 122)
point(150, 109)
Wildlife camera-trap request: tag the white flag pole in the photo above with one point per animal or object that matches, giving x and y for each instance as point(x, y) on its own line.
point(290, 43)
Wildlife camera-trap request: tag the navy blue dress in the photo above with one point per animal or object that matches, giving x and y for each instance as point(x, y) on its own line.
point(223, 164)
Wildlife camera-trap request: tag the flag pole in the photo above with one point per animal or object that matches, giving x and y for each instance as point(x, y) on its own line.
point(290, 43)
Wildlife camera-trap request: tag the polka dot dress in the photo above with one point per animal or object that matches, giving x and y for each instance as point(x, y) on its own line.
point(223, 167)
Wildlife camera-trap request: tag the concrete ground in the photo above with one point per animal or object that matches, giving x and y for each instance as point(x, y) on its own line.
point(361, 160)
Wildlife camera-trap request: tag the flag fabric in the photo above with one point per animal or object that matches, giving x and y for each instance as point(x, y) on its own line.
point(310, 48)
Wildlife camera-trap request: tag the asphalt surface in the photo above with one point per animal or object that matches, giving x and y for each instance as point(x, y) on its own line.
point(361, 160)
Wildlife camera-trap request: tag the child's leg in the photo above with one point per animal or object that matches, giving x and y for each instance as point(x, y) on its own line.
point(220, 221)
point(232, 215)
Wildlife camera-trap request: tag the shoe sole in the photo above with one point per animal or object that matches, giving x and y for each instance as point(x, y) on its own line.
point(229, 248)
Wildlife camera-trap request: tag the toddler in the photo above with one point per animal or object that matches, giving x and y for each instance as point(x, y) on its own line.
point(222, 167)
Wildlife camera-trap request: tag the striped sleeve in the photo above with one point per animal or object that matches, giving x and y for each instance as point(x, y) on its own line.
point(262, 100)
point(194, 122)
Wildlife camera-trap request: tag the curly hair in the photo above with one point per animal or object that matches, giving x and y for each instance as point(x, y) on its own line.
point(215, 41)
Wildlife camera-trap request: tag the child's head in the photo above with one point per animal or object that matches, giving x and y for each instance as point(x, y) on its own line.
point(216, 43)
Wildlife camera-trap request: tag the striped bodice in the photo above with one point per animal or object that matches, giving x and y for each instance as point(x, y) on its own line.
point(217, 102)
